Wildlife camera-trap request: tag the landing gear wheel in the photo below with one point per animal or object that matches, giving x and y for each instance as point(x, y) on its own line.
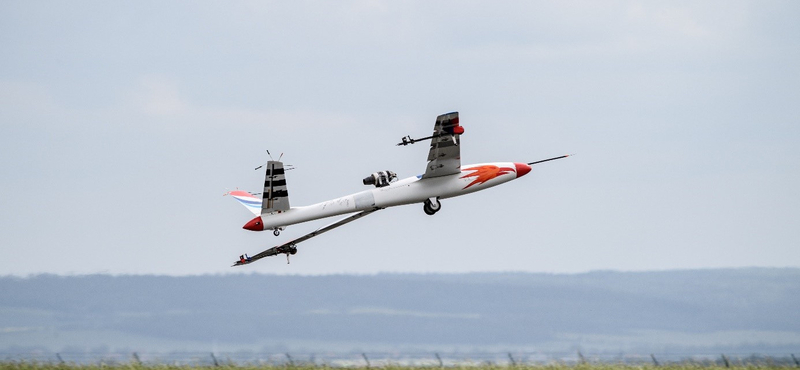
point(292, 250)
point(430, 207)
point(276, 232)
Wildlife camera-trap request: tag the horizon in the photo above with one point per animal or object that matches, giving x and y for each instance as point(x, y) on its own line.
point(745, 309)
point(267, 273)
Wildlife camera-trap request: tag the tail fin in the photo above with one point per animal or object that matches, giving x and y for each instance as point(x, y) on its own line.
point(249, 201)
point(276, 195)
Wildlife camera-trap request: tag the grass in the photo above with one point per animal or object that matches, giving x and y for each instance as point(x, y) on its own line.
point(24, 365)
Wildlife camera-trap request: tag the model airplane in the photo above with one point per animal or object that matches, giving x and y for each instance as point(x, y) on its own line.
point(444, 178)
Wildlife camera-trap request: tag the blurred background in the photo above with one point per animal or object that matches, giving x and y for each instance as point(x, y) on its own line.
point(123, 124)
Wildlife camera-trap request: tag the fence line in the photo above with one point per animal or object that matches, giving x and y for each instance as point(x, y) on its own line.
point(381, 359)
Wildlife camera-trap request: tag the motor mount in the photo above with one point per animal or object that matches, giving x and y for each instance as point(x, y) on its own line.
point(380, 178)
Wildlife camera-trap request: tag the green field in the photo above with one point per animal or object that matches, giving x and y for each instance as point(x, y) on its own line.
point(135, 366)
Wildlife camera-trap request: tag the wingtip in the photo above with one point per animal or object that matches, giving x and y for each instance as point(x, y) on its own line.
point(239, 263)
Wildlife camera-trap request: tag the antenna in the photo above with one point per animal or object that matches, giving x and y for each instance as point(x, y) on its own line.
point(288, 166)
point(550, 159)
point(270, 157)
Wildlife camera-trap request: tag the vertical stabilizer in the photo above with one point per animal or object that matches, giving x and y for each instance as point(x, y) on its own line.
point(276, 196)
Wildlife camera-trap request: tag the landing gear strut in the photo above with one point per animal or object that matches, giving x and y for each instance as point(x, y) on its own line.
point(431, 206)
point(288, 250)
point(292, 250)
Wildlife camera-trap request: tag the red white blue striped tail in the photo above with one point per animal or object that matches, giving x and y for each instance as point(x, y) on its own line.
point(249, 201)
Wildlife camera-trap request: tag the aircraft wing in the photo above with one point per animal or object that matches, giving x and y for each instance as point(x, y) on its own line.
point(444, 157)
point(290, 246)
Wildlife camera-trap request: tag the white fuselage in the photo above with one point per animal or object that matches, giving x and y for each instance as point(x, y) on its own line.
point(410, 190)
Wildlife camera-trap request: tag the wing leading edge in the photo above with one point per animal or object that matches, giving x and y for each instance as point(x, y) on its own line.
point(290, 247)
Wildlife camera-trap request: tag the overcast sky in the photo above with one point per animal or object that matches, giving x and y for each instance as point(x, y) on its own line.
point(123, 123)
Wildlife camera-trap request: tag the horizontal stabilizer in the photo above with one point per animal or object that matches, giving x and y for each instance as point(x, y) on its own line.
point(249, 201)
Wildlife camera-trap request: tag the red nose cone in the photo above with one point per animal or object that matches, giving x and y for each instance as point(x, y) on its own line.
point(522, 169)
point(254, 225)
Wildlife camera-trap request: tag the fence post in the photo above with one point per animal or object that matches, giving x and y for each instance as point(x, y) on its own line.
point(365, 359)
point(725, 359)
point(441, 364)
point(137, 359)
point(61, 361)
point(796, 363)
point(511, 358)
point(214, 358)
point(291, 362)
point(581, 359)
point(655, 362)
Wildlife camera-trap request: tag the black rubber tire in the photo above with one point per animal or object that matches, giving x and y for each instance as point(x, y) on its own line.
point(276, 232)
point(431, 208)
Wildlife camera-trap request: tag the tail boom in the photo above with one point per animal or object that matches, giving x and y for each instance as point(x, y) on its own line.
point(407, 191)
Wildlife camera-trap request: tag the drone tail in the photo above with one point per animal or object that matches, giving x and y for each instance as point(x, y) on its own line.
point(249, 201)
point(276, 195)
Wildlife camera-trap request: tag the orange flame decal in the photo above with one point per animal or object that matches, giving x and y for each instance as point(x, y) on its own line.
point(485, 173)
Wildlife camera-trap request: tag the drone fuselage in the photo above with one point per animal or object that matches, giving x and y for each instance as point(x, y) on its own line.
point(417, 189)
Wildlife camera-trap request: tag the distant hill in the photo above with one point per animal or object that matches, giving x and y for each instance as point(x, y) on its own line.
point(747, 310)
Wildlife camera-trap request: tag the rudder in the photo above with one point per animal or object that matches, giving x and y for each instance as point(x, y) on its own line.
point(275, 196)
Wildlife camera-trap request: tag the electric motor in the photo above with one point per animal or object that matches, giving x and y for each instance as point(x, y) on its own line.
point(380, 178)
